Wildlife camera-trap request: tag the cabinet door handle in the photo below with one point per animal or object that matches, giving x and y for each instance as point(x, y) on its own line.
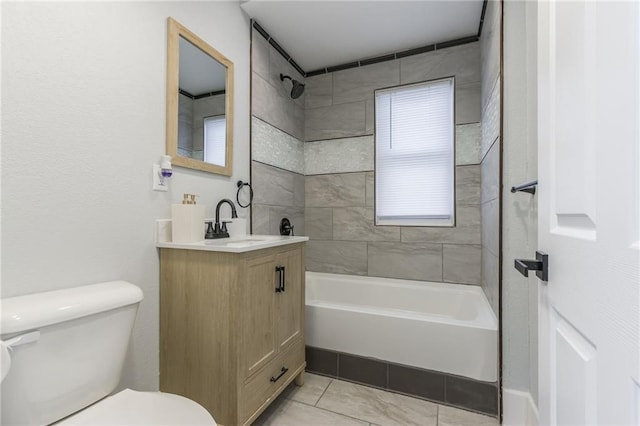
point(284, 275)
point(279, 271)
point(282, 373)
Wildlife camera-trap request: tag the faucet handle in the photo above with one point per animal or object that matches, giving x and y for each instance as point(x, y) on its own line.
point(224, 227)
point(209, 234)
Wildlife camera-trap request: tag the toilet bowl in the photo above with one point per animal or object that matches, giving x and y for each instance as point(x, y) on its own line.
point(65, 350)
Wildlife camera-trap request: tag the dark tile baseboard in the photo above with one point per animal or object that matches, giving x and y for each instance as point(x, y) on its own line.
point(434, 386)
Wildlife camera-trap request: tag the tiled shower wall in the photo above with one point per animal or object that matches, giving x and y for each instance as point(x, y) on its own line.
point(277, 150)
point(338, 133)
point(490, 151)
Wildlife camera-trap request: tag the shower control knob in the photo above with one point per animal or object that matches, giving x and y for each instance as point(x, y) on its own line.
point(286, 228)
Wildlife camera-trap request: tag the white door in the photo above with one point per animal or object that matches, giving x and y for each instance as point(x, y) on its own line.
point(589, 221)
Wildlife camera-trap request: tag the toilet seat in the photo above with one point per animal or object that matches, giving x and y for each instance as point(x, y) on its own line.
point(131, 407)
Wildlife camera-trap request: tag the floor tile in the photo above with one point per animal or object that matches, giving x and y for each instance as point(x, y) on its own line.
point(448, 416)
point(376, 406)
point(284, 412)
point(313, 388)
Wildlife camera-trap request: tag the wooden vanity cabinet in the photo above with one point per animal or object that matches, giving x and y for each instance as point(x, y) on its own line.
point(231, 327)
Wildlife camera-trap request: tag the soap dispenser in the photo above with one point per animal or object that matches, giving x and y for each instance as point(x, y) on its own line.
point(187, 220)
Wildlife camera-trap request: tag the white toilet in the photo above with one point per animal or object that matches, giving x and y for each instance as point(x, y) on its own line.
point(64, 350)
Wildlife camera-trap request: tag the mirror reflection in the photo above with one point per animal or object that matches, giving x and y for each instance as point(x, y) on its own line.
point(199, 103)
point(201, 123)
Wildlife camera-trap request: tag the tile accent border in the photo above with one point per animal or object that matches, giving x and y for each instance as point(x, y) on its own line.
point(276, 46)
point(374, 60)
point(443, 388)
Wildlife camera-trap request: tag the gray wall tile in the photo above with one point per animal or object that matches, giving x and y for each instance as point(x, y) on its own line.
point(490, 278)
point(490, 172)
point(356, 224)
point(467, 185)
point(466, 231)
point(338, 257)
point(318, 91)
point(468, 140)
point(294, 214)
point(337, 190)
point(358, 84)
point(369, 189)
point(490, 226)
point(269, 106)
point(271, 185)
point(319, 223)
point(259, 55)
point(462, 263)
point(278, 65)
point(462, 61)
point(260, 218)
point(418, 261)
point(490, 48)
point(339, 155)
point(369, 117)
point(491, 120)
point(337, 121)
point(298, 190)
point(467, 103)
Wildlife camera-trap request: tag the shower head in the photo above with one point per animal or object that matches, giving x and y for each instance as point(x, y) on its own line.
point(298, 88)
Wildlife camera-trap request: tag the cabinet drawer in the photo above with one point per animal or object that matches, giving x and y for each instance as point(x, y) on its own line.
point(262, 386)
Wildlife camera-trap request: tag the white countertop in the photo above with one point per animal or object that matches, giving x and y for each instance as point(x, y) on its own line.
point(240, 244)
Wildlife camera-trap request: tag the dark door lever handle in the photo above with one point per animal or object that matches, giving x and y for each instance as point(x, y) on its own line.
point(540, 265)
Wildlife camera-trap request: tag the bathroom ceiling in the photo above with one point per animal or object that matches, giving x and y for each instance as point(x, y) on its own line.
point(322, 33)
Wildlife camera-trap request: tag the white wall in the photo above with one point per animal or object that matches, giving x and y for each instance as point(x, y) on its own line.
point(519, 294)
point(83, 120)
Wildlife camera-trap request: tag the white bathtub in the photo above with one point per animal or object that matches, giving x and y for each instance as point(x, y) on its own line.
point(436, 326)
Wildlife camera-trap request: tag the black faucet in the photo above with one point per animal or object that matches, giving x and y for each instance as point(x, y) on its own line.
point(218, 230)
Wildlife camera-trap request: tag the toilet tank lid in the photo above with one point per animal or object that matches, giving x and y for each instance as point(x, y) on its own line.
point(31, 311)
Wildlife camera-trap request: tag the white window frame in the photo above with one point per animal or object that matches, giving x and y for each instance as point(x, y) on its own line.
point(382, 154)
point(206, 155)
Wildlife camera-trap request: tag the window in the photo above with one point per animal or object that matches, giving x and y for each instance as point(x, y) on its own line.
point(215, 136)
point(414, 142)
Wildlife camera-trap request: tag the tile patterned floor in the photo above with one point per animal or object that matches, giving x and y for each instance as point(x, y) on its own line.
point(323, 401)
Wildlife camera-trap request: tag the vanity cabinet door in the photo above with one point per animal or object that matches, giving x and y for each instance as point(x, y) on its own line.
point(290, 300)
point(258, 314)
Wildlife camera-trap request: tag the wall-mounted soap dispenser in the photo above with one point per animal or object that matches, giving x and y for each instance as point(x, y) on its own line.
point(187, 220)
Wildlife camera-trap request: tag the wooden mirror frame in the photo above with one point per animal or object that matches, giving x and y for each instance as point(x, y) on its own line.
point(174, 31)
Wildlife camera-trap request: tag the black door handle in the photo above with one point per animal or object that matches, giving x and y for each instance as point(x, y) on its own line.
point(280, 271)
point(540, 265)
point(282, 373)
point(284, 277)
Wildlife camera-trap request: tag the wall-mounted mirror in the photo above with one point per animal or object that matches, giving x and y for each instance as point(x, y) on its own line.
point(199, 103)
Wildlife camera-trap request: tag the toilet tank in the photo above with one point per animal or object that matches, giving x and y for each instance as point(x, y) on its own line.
point(77, 357)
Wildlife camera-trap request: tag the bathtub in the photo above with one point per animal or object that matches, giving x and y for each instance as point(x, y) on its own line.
point(442, 327)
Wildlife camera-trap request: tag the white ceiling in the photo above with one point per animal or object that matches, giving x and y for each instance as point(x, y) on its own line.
point(321, 33)
point(199, 73)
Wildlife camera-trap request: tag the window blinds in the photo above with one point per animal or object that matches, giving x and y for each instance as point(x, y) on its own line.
point(215, 134)
point(414, 141)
